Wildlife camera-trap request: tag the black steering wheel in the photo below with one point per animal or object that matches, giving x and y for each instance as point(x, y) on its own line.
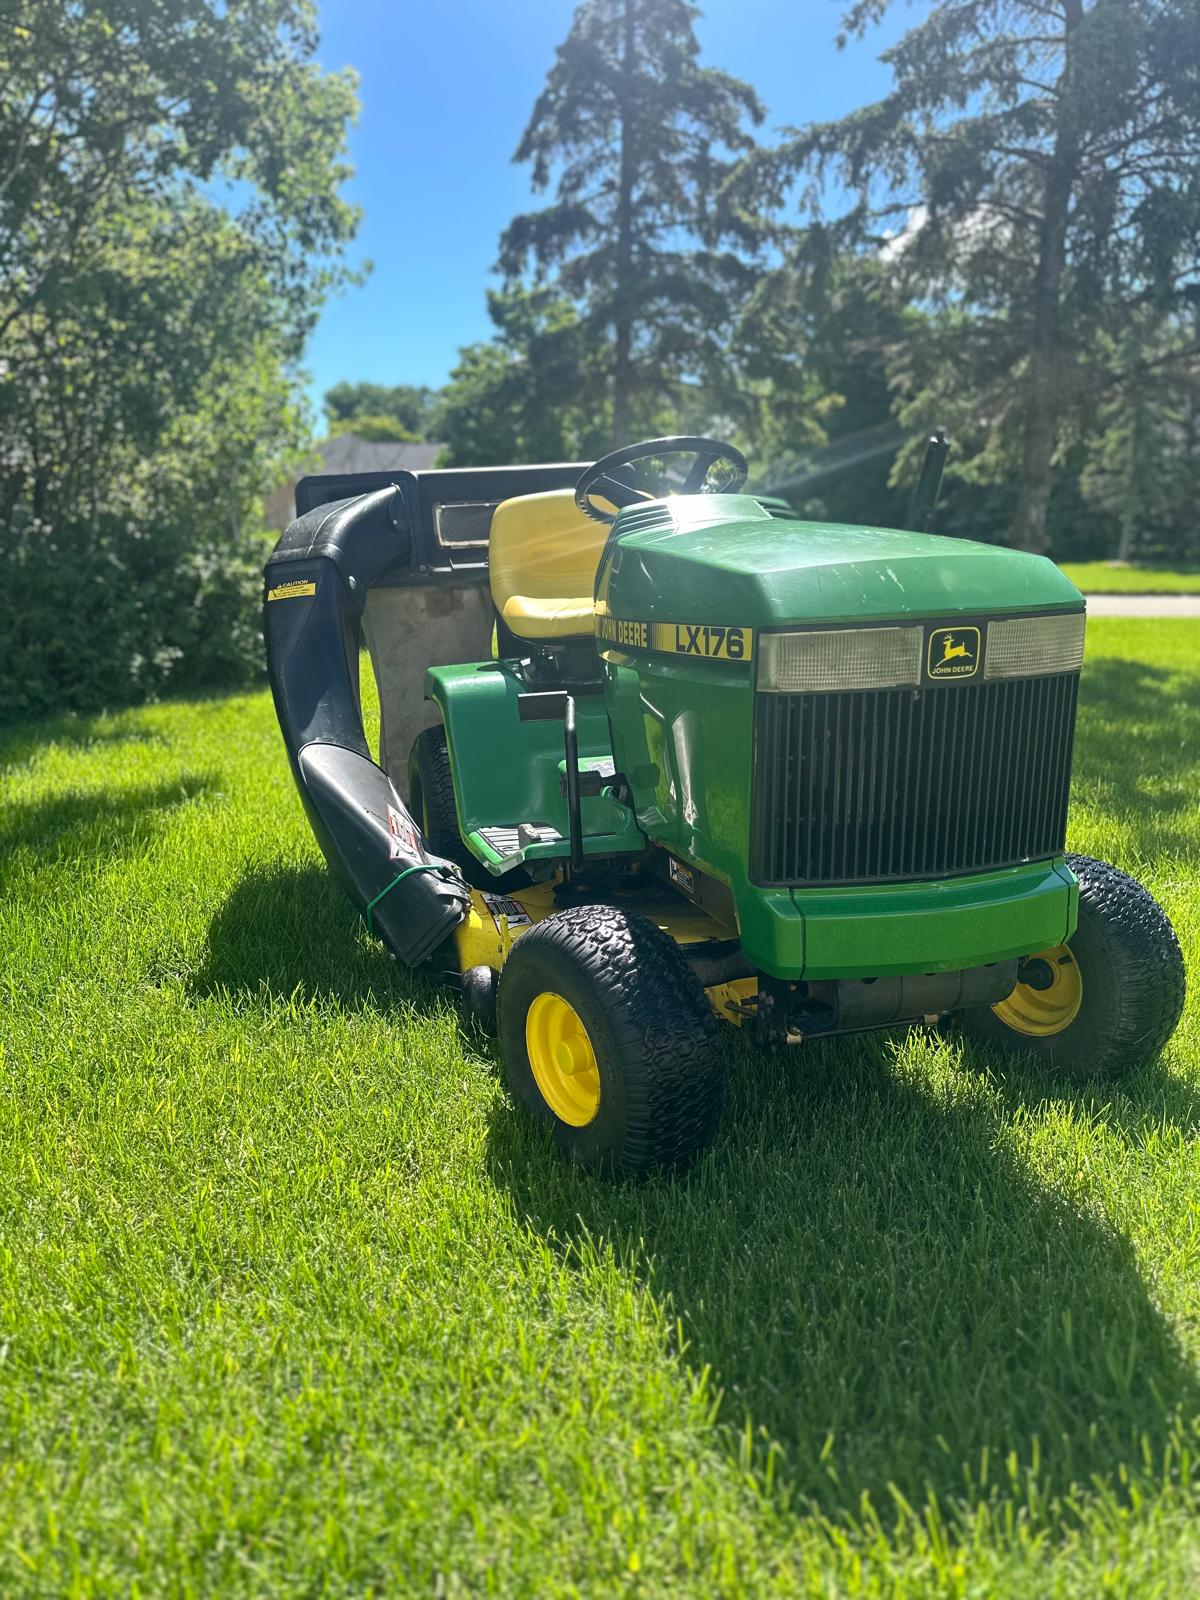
point(604, 477)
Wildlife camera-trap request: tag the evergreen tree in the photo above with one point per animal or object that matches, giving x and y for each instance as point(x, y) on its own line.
point(812, 350)
point(636, 138)
point(1035, 174)
point(522, 395)
point(1142, 468)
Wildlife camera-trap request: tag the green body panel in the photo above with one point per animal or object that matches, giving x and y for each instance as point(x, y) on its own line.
point(680, 728)
point(683, 737)
point(726, 560)
point(936, 927)
point(682, 734)
point(507, 771)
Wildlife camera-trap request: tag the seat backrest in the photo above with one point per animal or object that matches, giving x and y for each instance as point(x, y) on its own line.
point(542, 559)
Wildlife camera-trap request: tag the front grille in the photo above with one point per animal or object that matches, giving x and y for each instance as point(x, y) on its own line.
point(884, 785)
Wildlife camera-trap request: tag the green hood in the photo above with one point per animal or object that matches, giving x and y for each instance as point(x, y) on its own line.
point(723, 559)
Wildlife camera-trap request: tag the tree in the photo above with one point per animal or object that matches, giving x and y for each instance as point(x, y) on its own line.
point(148, 408)
point(1034, 175)
point(351, 407)
point(523, 395)
point(1143, 465)
point(637, 139)
point(150, 334)
point(110, 100)
point(812, 348)
point(379, 428)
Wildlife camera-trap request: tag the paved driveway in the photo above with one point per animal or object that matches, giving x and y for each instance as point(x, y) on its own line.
point(1143, 605)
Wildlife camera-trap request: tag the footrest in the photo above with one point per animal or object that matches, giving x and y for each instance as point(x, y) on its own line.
point(507, 842)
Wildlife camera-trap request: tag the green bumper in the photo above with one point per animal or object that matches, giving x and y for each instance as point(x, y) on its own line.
point(912, 927)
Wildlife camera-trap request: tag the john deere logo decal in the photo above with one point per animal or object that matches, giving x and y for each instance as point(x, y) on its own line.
point(953, 653)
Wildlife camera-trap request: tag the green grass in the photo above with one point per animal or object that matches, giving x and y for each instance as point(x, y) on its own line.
point(292, 1301)
point(1101, 577)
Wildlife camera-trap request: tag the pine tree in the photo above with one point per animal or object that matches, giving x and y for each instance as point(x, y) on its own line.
point(636, 138)
point(1035, 172)
point(1143, 466)
point(520, 395)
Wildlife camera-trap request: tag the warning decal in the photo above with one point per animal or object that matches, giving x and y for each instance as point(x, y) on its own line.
point(402, 836)
point(511, 911)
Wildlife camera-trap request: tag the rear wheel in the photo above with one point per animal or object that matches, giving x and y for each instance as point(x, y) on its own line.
point(608, 1038)
point(431, 793)
point(1105, 1002)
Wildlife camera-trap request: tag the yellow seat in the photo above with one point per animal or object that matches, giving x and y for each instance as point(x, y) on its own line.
point(542, 559)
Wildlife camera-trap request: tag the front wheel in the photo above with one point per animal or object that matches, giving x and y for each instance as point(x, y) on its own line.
point(608, 1038)
point(1105, 1002)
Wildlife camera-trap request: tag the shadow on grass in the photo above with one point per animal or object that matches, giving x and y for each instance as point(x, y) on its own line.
point(861, 1258)
point(92, 827)
point(288, 930)
point(879, 1283)
point(1150, 1101)
point(21, 742)
point(1138, 726)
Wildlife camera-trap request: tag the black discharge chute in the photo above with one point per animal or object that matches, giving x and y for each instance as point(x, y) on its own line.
point(316, 586)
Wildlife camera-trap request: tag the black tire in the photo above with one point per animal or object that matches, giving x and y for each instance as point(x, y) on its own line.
point(1132, 983)
point(479, 997)
point(657, 1053)
point(431, 796)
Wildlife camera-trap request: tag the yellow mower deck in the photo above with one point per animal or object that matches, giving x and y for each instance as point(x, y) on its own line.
point(496, 921)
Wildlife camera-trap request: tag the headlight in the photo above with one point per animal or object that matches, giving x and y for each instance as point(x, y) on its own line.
point(1032, 647)
point(840, 658)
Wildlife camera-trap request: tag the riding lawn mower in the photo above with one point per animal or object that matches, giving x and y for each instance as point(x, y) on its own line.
point(651, 761)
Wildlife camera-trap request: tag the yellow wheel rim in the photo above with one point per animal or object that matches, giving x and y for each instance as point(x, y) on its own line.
point(1048, 995)
point(563, 1061)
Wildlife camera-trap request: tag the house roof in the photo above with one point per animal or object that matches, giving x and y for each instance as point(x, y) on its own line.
point(346, 452)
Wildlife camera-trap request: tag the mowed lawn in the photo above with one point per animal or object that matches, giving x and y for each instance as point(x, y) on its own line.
point(1101, 577)
point(293, 1301)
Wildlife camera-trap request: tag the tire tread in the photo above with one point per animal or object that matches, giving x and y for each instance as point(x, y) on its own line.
point(659, 1017)
point(1151, 981)
point(1141, 982)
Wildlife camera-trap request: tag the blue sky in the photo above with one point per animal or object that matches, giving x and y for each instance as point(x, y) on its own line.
point(446, 88)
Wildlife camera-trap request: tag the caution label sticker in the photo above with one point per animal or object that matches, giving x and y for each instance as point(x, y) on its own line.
point(296, 590)
point(504, 909)
point(683, 876)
